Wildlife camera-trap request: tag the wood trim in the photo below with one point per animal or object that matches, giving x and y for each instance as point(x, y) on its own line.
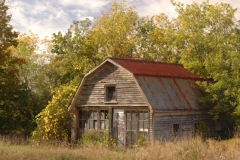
point(179, 112)
point(110, 118)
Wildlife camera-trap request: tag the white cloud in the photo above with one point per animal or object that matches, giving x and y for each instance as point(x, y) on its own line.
point(154, 7)
point(47, 17)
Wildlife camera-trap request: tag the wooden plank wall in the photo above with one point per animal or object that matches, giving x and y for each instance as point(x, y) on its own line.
point(127, 91)
point(163, 125)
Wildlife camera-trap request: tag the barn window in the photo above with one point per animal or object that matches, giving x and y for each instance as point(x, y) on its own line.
point(143, 121)
point(110, 93)
point(104, 119)
point(83, 116)
point(92, 121)
point(131, 121)
point(176, 129)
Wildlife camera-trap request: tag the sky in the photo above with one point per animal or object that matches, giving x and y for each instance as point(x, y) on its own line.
point(45, 17)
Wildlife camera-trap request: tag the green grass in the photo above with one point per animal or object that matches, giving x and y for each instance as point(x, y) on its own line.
point(187, 149)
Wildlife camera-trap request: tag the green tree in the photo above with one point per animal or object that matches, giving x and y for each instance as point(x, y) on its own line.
point(208, 41)
point(54, 122)
point(162, 38)
point(8, 37)
point(34, 74)
point(73, 53)
point(114, 32)
point(14, 115)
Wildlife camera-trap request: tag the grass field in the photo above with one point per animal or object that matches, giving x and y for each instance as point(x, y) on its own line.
point(188, 149)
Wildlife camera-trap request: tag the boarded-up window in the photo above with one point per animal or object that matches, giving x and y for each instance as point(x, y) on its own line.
point(110, 91)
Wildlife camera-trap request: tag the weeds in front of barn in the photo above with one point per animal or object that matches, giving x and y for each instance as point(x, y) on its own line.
point(187, 149)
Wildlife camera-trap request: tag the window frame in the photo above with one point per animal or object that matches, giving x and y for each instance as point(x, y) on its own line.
point(176, 129)
point(106, 97)
point(94, 119)
point(83, 119)
point(104, 119)
point(144, 121)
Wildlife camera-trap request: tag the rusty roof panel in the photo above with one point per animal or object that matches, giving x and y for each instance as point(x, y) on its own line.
point(151, 68)
point(161, 100)
point(187, 88)
point(174, 94)
point(169, 93)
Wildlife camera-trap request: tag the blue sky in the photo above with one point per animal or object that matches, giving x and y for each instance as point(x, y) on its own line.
point(45, 17)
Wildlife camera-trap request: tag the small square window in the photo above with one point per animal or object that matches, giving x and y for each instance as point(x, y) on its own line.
point(110, 93)
point(176, 129)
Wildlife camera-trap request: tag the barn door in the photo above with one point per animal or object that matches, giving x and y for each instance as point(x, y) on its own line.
point(131, 127)
point(118, 126)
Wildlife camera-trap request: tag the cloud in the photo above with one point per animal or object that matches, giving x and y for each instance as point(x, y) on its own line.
point(154, 7)
point(47, 17)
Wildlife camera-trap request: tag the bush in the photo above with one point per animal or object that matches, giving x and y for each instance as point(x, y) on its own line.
point(96, 137)
point(91, 137)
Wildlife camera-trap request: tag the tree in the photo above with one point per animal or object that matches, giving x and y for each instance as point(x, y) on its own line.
point(34, 75)
point(54, 122)
point(14, 115)
point(161, 46)
point(73, 53)
point(7, 36)
point(210, 47)
point(114, 33)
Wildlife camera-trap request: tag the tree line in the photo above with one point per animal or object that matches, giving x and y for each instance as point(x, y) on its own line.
point(36, 85)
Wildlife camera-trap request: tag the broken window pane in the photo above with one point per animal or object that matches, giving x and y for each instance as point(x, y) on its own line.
point(102, 114)
point(104, 119)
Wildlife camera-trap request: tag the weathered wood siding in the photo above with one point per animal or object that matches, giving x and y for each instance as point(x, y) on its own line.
point(163, 125)
point(93, 92)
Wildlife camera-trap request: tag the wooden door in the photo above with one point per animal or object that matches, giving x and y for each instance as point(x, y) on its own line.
point(118, 126)
point(131, 127)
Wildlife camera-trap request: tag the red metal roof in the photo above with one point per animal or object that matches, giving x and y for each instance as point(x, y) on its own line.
point(152, 68)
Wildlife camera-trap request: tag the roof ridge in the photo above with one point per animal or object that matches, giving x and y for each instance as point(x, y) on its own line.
point(169, 63)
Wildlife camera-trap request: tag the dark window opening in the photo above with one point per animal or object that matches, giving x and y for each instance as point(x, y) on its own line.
point(110, 93)
point(176, 129)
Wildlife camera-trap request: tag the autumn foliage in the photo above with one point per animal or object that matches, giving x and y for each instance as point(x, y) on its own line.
point(36, 85)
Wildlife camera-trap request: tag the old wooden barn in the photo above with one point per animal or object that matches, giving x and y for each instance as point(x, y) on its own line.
point(134, 97)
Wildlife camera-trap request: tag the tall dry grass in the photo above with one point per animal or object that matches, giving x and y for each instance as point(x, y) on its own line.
point(187, 149)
